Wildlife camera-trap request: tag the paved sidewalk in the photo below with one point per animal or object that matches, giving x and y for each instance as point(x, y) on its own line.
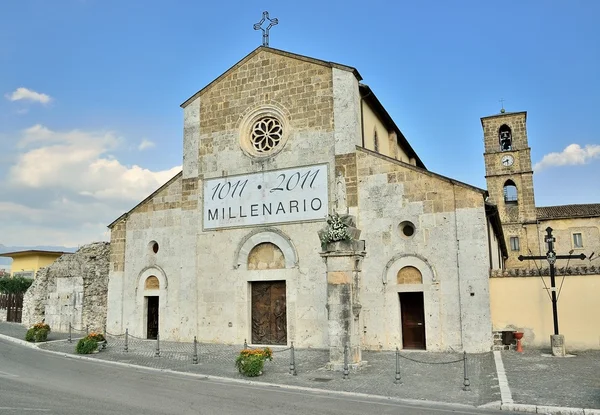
point(537, 378)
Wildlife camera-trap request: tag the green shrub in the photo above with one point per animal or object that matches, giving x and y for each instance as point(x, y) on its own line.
point(86, 346)
point(37, 333)
point(15, 285)
point(250, 362)
point(41, 335)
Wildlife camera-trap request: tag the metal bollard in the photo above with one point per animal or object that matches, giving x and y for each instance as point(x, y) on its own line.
point(245, 344)
point(466, 383)
point(293, 361)
point(195, 356)
point(346, 362)
point(70, 339)
point(157, 353)
point(87, 329)
point(104, 328)
point(398, 380)
point(126, 340)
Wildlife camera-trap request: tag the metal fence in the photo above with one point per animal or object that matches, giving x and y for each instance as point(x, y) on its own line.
point(193, 353)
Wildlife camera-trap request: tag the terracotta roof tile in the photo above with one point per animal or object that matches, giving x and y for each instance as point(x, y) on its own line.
point(568, 211)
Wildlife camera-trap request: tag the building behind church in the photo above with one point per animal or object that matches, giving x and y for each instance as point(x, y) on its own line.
point(228, 250)
point(521, 292)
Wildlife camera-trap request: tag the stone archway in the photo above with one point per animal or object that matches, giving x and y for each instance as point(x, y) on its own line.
point(151, 297)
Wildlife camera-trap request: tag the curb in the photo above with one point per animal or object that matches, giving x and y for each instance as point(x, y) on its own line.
point(411, 402)
point(550, 410)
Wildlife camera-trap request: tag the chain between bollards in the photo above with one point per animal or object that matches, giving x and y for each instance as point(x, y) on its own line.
point(466, 383)
point(195, 356)
point(157, 353)
point(346, 361)
point(70, 339)
point(398, 380)
point(126, 340)
point(292, 361)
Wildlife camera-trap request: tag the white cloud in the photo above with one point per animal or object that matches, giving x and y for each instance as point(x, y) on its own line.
point(65, 187)
point(80, 162)
point(146, 144)
point(28, 95)
point(573, 154)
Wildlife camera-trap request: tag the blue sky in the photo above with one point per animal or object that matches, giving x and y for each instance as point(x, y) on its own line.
point(90, 90)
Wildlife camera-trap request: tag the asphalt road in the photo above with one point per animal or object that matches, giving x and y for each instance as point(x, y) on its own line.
point(37, 382)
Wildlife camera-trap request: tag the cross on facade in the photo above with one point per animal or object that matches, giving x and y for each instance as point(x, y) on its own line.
point(551, 257)
point(258, 26)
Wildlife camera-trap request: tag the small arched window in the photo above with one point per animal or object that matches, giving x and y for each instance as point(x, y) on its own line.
point(505, 137)
point(510, 192)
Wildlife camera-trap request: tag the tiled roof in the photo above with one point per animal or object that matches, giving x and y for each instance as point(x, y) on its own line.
point(568, 211)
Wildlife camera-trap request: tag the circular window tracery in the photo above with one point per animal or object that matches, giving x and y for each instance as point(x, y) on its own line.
point(264, 131)
point(266, 135)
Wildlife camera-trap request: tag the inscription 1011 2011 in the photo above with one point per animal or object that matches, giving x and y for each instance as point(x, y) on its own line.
point(290, 195)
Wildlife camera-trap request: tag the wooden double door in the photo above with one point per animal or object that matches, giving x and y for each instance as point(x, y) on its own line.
point(269, 313)
point(413, 320)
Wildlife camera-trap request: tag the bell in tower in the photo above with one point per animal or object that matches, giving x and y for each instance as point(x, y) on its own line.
point(505, 138)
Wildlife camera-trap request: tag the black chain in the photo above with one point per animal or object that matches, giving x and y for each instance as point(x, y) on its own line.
point(431, 363)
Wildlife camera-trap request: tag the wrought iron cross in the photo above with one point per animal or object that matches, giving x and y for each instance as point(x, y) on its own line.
point(258, 26)
point(551, 257)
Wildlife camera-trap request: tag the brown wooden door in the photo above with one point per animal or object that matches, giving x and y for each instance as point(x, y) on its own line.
point(269, 317)
point(413, 320)
point(152, 327)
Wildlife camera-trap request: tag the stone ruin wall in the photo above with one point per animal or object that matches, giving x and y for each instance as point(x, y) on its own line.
point(71, 290)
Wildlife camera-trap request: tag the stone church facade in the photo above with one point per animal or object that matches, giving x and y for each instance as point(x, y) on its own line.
point(228, 250)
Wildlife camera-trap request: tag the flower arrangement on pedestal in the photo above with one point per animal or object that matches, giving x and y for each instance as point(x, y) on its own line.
point(38, 333)
point(89, 344)
point(250, 362)
point(338, 229)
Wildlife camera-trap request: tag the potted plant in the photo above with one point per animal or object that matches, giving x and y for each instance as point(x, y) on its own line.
point(92, 343)
point(250, 362)
point(37, 333)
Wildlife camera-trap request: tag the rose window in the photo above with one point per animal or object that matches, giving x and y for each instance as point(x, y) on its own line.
point(267, 133)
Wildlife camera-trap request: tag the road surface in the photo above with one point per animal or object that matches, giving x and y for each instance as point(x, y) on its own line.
point(36, 382)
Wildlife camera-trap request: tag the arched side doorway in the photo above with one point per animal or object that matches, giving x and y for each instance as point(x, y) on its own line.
point(152, 285)
point(412, 309)
point(409, 277)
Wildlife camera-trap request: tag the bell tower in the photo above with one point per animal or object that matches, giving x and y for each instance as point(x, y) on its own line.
point(509, 177)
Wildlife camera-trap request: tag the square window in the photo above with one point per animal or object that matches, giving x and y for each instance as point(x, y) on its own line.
point(577, 240)
point(514, 243)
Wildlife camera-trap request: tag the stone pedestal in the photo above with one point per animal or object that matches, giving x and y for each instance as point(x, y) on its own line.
point(344, 260)
point(557, 341)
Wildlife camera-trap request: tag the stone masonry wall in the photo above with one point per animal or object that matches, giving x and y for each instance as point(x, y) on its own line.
point(71, 290)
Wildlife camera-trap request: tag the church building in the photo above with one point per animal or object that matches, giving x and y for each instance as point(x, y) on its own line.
point(281, 153)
